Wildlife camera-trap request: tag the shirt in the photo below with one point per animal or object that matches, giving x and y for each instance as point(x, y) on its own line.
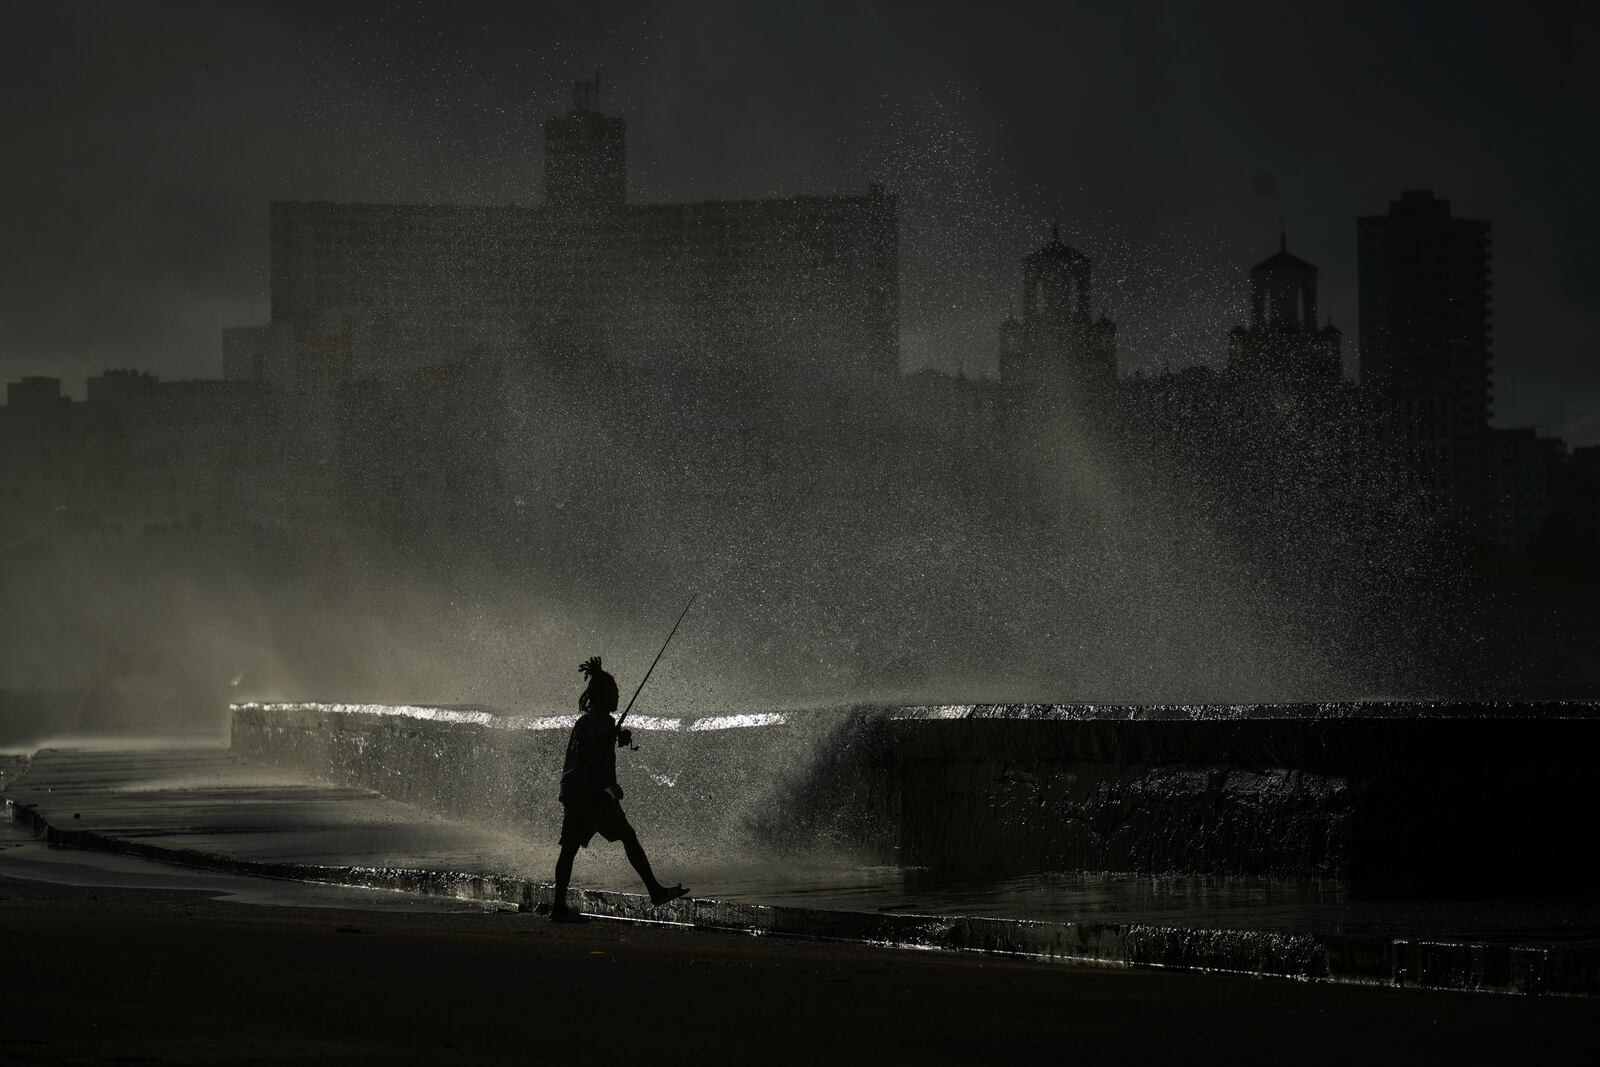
point(591, 763)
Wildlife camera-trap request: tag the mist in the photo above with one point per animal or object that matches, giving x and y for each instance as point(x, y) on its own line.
point(467, 529)
point(835, 562)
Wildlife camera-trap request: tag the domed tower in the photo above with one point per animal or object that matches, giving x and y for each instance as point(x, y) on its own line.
point(1283, 344)
point(1058, 349)
point(1055, 285)
point(1283, 290)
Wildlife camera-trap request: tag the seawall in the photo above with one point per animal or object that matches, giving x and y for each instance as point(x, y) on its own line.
point(1442, 797)
point(793, 779)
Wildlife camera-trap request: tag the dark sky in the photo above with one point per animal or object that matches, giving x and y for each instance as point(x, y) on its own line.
point(142, 143)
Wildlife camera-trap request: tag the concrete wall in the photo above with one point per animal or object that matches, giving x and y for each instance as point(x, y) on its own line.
point(1453, 797)
point(1460, 798)
point(717, 783)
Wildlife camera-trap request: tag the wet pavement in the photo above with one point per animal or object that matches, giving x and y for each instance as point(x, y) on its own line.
point(1232, 903)
point(26, 858)
point(104, 975)
point(201, 806)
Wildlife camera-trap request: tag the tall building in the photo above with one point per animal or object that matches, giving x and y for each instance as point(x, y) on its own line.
point(1058, 349)
point(1425, 342)
point(798, 293)
point(1283, 347)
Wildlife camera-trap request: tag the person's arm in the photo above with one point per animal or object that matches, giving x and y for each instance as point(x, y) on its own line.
point(609, 770)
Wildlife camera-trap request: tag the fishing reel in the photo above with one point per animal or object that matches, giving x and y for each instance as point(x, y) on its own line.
point(625, 740)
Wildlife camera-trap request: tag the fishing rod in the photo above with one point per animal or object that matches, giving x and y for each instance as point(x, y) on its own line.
point(653, 663)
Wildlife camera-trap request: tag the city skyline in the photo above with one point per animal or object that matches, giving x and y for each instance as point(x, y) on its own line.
point(1071, 493)
point(361, 113)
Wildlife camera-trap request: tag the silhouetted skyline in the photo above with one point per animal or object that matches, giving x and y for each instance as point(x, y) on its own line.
point(1169, 141)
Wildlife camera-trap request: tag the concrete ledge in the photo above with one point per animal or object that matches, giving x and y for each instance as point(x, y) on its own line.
point(790, 778)
point(1560, 970)
point(1388, 797)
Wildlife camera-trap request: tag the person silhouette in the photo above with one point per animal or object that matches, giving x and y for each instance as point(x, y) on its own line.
point(590, 795)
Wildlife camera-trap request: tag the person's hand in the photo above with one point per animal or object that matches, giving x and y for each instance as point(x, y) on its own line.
point(624, 738)
point(614, 792)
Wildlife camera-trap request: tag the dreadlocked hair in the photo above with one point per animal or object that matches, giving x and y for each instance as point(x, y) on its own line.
point(601, 692)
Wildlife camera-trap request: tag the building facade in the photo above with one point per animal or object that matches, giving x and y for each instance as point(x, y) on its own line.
point(797, 293)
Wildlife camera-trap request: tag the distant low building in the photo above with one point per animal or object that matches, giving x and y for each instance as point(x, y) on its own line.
point(1584, 483)
point(140, 455)
point(43, 445)
point(1527, 481)
point(34, 392)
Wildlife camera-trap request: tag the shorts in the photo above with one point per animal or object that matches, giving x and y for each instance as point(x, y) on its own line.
point(585, 818)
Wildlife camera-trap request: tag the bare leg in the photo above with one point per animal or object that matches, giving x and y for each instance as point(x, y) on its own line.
point(641, 862)
point(563, 876)
point(659, 894)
